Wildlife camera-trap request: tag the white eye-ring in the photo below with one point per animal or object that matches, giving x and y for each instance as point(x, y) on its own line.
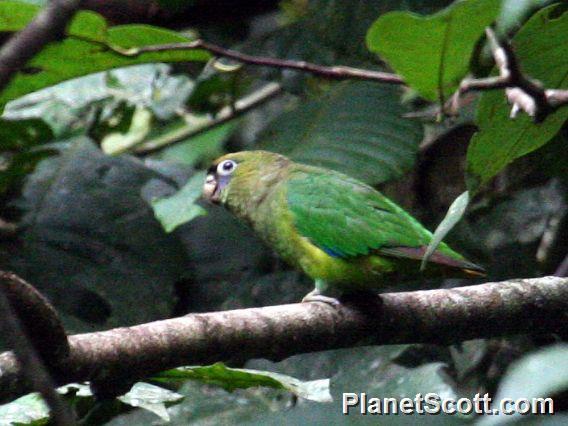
point(226, 167)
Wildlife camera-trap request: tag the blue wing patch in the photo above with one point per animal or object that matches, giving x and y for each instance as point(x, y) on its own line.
point(331, 252)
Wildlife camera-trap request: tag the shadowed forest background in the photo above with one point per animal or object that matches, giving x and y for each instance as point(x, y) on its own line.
point(103, 153)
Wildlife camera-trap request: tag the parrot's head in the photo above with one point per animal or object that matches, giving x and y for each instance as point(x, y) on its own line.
point(240, 179)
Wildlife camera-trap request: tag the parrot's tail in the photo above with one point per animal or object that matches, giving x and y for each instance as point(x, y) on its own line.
point(460, 267)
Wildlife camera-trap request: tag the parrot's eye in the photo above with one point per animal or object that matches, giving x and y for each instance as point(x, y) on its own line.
point(226, 167)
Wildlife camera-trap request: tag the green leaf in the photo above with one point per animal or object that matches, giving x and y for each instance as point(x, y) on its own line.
point(180, 208)
point(86, 49)
point(357, 129)
point(541, 374)
point(238, 378)
point(432, 53)
point(542, 49)
point(454, 215)
point(36, 2)
point(16, 15)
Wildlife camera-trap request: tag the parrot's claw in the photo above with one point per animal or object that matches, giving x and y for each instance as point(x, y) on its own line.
point(316, 296)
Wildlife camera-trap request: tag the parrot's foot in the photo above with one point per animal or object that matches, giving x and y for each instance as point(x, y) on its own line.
point(316, 296)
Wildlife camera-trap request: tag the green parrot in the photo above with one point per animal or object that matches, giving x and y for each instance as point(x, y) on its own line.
point(342, 233)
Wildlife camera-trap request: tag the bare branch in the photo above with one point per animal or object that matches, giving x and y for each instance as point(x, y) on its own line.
point(537, 306)
point(335, 72)
point(522, 92)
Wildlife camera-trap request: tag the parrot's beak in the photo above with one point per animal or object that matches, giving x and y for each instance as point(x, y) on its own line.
point(210, 189)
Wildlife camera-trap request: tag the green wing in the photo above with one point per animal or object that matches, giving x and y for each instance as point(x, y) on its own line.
point(347, 218)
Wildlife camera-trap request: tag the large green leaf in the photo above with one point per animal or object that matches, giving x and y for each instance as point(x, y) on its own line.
point(86, 49)
point(432, 53)
point(357, 128)
point(542, 49)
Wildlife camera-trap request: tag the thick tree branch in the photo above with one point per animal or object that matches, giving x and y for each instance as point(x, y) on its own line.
point(443, 316)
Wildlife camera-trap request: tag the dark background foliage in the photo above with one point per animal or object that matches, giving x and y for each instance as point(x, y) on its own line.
point(88, 237)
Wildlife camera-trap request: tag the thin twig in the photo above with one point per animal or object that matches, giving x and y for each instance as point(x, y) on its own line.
point(443, 316)
point(228, 113)
point(335, 72)
point(522, 92)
